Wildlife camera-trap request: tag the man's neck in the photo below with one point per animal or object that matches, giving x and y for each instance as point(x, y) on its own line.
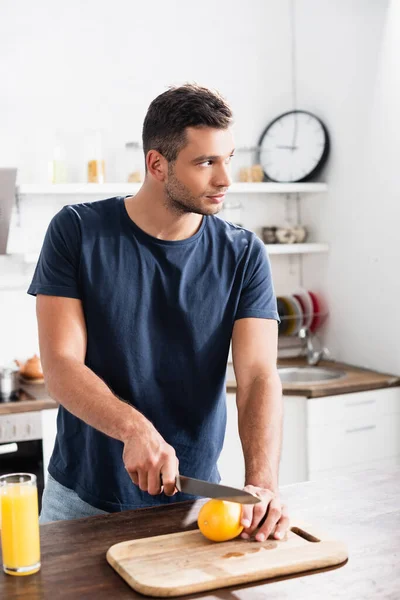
point(149, 210)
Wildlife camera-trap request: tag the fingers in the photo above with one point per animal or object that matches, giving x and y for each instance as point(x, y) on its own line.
point(283, 524)
point(252, 514)
point(156, 479)
point(154, 483)
point(169, 472)
point(247, 516)
point(142, 475)
point(268, 517)
point(150, 458)
point(273, 517)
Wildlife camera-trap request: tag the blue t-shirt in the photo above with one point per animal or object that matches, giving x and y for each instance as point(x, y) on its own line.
point(159, 316)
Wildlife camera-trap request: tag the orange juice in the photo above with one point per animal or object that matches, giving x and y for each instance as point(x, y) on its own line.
point(19, 525)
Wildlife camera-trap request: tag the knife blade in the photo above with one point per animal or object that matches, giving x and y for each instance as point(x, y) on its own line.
point(197, 487)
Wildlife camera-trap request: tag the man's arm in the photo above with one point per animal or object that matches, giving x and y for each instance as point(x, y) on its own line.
point(62, 340)
point(260, 416)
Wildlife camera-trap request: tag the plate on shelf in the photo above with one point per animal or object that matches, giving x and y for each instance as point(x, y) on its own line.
point(283, 313)
point(307, 305)
point(289, 315)
point(318, 310)
point(303, 307)
point(298, 317)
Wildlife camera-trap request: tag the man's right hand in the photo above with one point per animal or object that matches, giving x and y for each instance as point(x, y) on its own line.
point(151, 462)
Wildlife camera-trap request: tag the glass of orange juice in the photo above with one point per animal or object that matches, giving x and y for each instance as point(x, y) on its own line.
point(20, 541)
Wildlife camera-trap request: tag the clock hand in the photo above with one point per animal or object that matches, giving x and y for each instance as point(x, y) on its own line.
point(295, 129)
point(286, 147)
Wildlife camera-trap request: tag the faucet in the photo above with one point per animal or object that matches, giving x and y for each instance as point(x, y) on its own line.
point(313, 355)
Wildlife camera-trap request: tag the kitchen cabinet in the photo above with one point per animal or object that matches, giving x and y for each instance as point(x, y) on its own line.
point(231, 462)
point(353, 431)
point(325, 436)
point(49, 431)
point(293, 466)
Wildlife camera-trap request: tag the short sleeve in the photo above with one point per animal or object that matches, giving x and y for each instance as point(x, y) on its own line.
point(257, 298)
point(56, 272)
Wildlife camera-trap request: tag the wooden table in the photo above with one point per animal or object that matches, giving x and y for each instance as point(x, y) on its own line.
point(362, 509)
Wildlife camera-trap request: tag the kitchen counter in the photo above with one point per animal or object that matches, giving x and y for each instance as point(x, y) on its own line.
point(33, 397)
point(356, 380)
point(361, 509)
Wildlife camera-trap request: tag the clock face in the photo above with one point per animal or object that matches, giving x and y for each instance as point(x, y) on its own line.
point(293, 147)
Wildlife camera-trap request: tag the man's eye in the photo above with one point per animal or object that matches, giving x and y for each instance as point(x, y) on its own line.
point(206, 163)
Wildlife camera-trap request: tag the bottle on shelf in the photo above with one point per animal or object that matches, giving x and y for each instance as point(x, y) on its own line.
point(57, 166)
point(96, 162)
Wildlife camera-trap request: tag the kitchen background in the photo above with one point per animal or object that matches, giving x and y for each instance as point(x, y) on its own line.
point(68, 69)
point(71, 69)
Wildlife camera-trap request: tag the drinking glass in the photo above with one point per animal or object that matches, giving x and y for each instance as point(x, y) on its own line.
point(19, 524)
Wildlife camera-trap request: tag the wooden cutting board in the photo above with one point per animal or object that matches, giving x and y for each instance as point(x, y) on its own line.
point(184, 563)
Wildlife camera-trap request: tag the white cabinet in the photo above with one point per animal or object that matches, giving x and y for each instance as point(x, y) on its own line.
point(326, 436)
point(294, 452)
point(231, 462)
point(353, 431)
point(49, 431)
point(293, 466)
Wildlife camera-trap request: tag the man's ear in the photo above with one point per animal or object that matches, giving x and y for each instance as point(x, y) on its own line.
point(157, 165)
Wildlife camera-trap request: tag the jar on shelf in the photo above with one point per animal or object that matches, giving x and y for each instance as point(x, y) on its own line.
point(135, 167)
point(245, 166)
point(232, 211)
point(95, 158)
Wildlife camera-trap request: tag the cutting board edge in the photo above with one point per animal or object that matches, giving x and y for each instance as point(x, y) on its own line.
point(337, 558)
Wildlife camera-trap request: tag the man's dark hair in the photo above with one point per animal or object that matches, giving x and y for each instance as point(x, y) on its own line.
point(170, 113)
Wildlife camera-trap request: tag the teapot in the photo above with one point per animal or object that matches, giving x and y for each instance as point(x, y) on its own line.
point(32, 368)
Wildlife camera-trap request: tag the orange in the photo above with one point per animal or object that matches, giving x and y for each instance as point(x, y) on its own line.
point(219, 520)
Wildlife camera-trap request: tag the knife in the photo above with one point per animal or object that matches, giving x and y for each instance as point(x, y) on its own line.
point(197, 487)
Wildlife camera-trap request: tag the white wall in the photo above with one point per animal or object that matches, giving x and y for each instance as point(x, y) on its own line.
point(98, 64)
point(361, 277)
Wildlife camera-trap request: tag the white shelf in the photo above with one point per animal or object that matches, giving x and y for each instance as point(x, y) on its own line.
point(74, 189)
point(296, 248)
point(116, 189)
point(278, 188)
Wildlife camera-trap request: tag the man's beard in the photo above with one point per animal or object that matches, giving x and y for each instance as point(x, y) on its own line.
point(181, 200)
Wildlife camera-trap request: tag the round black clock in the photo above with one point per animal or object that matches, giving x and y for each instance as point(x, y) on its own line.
point(293, 147)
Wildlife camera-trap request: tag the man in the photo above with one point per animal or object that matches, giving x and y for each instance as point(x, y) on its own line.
point(138, 299)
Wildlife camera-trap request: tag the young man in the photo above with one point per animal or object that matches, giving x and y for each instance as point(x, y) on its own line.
point(138, 299)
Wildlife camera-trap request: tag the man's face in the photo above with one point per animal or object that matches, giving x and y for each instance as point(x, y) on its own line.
point(200, 176)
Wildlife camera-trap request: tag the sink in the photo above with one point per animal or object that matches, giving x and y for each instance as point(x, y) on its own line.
point(309, 374)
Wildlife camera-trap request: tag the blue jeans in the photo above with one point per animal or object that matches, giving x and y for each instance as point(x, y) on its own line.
point(62, 504)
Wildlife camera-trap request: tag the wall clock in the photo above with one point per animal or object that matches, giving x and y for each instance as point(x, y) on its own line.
point(293, 147)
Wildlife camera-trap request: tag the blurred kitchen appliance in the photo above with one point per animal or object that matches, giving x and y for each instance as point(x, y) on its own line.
point(9, 383)
point(7, 198)
point(21, 448)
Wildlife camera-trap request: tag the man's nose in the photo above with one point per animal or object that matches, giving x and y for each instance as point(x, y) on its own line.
point(223, 178)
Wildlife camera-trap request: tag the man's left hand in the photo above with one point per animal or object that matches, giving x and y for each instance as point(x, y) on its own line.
point(277, 521)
